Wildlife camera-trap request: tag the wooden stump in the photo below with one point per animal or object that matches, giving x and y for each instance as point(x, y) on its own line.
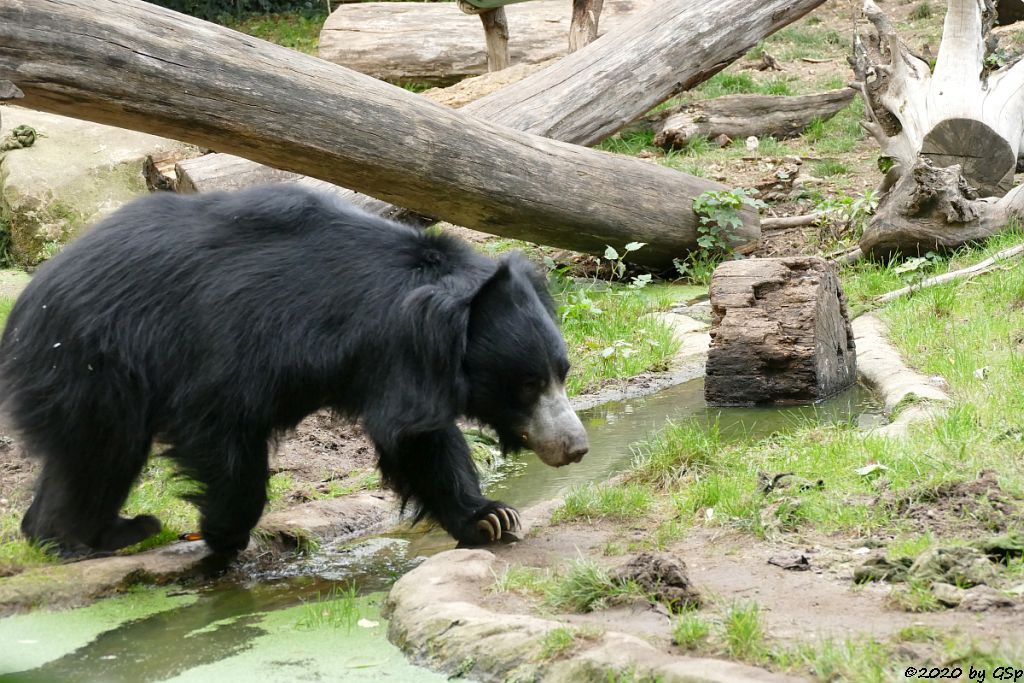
point(780, 333)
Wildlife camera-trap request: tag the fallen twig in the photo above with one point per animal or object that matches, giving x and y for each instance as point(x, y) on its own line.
point(964, 273)
point(784, 222)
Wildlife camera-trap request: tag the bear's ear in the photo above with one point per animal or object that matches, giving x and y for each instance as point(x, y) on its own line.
point(424, 389)
point(497, 290)
point(514, 279)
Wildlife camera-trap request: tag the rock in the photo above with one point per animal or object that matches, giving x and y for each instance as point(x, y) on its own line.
point(75, 172)
point(780, 333)
point(663, 576)
point(948, 594)
point(330, 520)
point(984, 598)
point(438, 619)
point(796, 562)
point(78, 583)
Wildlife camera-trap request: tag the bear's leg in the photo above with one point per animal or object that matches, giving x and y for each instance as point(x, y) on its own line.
point(233, 473)
point(437, 471)
point(79, 495)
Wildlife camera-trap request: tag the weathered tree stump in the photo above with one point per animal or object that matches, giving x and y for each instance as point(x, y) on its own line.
point(780, 333)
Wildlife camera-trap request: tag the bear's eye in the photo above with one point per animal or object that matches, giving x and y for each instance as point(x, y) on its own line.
point(531, 385)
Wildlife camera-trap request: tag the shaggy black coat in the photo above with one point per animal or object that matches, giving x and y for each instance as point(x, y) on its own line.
point(215, 322)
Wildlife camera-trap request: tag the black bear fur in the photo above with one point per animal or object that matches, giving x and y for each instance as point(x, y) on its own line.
point(214, 323)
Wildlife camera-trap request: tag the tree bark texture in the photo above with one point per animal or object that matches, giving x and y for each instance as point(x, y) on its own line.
point(495, 23)
point(586, 16)
point(950, 137)
point(428, 42)
point(130, 64)
point(740, 116)
point(780, 333)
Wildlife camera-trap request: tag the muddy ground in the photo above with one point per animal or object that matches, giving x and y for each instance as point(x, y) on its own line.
point(323, 455)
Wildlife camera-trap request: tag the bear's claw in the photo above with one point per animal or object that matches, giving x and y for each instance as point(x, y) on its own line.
point(502, 521)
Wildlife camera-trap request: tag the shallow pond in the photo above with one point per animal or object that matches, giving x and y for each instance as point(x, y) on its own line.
point(318, 618)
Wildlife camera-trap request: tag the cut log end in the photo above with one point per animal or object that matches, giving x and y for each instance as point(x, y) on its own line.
point(780, 334)
point(986, 160)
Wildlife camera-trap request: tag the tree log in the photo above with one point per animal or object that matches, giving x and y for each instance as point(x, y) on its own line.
point(586, 15)
point(589, 95)
point(428, 42)
point(950, 138)
point(216, 172)
point(740, 116)
point(495, 23)
point(780, 333)
point(131, 64)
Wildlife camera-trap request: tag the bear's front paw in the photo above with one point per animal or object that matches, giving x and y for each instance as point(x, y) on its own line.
point(495, 522)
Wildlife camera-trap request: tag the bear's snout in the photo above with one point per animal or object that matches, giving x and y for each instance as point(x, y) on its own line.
point(554, 432)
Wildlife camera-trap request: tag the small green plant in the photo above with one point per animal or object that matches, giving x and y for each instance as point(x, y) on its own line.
point(743, 632)
point(617, 262)
point(850, 214)
point(556, 642)
point(690, 631)
point(922, 11)
point(719, 216)
point(915, 596)
point(337, 609)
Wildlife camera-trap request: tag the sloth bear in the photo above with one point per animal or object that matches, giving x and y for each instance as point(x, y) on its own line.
point(213, 323)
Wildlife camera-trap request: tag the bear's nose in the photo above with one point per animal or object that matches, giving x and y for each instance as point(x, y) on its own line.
point(576, 453)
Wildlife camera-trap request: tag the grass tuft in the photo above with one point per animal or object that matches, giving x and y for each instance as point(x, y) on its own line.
point(604, 501)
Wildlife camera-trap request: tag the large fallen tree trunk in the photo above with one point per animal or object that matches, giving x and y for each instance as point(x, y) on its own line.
point(433, 42)
point(740, 116)
point(589, 95)
point(131, 64)
point(949, 139)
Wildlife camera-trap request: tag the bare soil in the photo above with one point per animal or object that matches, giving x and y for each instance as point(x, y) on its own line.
point(816, 605)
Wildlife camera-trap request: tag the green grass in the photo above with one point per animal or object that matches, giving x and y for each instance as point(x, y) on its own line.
point(678, 450)
point(947, 331)
point(739, 83)
point(611, 334)
point(743, 632)
point(557, 641)
point(520, 579)
point(802, 40)
point(337, 609)
point(6, 304)
point(158, 492)
point(584, 586)
point(830, 167)
point(690, 631)
point(604, 501)
point(16, 553)
point(296, 30)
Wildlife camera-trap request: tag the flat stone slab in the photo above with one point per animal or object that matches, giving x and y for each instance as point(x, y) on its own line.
point(883, 369)
point(71, 155)
point(438, 619)
point(78, 583)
